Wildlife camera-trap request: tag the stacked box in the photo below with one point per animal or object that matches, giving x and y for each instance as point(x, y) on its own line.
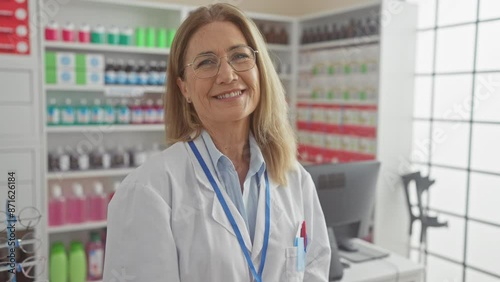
point(66, 68)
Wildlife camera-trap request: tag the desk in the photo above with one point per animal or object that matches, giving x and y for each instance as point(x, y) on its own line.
point(384, 270)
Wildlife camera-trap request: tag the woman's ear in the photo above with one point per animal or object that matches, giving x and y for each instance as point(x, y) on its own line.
point(182, 86)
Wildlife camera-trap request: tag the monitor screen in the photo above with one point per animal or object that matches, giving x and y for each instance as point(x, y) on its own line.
point(346, 192)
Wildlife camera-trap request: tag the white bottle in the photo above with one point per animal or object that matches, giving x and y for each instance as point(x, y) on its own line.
point(63, 157)
point(140, 155)
point(53, 113)
point(68, 113)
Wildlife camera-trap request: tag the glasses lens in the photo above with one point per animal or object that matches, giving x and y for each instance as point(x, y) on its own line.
point(206, 66)
point(242, 58)
point(30, 265)
point(29, 217)
point(29, 243)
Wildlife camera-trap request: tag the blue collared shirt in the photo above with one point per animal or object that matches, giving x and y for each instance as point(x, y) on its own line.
point(247, 202)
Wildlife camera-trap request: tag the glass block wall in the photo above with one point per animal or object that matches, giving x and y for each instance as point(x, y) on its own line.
point(457, 137)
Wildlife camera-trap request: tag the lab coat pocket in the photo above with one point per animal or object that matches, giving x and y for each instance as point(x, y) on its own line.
point(293, 273)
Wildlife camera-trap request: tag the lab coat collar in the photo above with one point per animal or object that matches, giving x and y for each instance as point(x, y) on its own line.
point(218, 212)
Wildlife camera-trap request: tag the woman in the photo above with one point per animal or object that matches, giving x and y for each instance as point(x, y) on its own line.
point(227, 201)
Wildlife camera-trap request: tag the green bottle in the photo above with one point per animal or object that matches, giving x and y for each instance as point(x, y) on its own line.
point(58, 263)
point(77, 263)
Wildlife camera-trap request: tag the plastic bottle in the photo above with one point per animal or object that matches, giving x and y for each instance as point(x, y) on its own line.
point(52, 31)
point(131, 70)
point(126, 35)
point(77, 268)
point(67, 113)
point(138, 155)
point(154, 76)
point(95, 257)
point(83, 113)
point(58, 263)
point(79, 160)
point(62, 160)
point(123, 112)
point(110, 73)
point(159, 111)
point(137, 114)
point(162, 73)
point(68, 32)
point(149, 112)
point(98, 203)
point(97, 113)
point(98, 35)
point(53, 113)
point(109, 112)
point(121, 74)
point(120, 158)
point(84, 33)
point(113, 35)
point(57, 207)
point(142, 73)
point(77, 205)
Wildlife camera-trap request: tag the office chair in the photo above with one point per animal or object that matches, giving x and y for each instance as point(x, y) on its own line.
point(422, 184)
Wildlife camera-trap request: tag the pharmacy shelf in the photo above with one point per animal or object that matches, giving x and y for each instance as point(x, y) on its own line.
point(105, 48)
point(106, 128)
point(62, 175)
point(77, 227)
point(108, 89)
point(279, 47)
point(341, 43)
point(324, 102)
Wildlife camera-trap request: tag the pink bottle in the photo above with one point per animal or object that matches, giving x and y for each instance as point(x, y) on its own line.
point(137, 112)
point(84, 34)
point(149, 112)
point(159, 110)
point(52, 31)
point(57, 207)
point(95, 257)
point(98, 203)
point(77, 205)
point(68, 32)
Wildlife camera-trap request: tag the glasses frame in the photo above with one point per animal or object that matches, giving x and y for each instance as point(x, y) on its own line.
point(4, 218)
point(21, 267)
point(20, 243)
point(255, 52)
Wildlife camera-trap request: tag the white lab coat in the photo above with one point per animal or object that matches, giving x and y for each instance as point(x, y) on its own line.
point(165, 224)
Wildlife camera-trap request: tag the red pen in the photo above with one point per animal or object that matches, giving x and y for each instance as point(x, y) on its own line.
point(303, 234)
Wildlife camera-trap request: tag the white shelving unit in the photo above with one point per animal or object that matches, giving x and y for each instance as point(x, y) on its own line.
point(105, 88)
point(63, 175)
point(341, 43)
point(56, 45)
point(77, 227)
point(111, 128)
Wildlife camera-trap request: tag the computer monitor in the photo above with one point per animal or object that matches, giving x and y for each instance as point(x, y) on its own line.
point(346, 192)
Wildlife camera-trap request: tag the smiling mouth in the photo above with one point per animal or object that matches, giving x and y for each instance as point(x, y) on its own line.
point(230, 95)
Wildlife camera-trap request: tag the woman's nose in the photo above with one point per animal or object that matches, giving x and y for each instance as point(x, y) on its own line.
point(226, 72)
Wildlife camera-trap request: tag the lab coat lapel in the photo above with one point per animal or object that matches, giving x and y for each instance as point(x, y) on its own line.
point(218, 213)
point(260, 224)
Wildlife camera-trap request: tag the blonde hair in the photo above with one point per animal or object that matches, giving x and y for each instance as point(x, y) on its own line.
point(269, 122)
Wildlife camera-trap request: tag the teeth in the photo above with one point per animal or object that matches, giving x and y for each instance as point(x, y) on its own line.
point(229, 95)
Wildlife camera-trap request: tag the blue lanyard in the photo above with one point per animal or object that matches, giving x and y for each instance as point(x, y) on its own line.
point(257, 277)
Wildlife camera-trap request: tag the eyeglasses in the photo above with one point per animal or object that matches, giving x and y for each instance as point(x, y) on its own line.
point(29, 243)
point(241, 58)
point(27, 267)
point(27, 217)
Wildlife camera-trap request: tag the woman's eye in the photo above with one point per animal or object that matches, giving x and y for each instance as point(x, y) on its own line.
point(240, 56)
point(206, 62)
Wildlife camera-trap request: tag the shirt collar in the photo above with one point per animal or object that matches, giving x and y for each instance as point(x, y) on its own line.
point(257, 164)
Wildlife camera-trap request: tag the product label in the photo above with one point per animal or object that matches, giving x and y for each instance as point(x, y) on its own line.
point(53, 115)
point(97, 115)
point(137, 116)
point(124, 115)
point(68, 115)
point(96, 259)
point(109, 115)
point(83, 116)
point(83, 162)
point(64, 162)
point(110, 77)
point(159, 115)
point(106, 161)
point(150, 115)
